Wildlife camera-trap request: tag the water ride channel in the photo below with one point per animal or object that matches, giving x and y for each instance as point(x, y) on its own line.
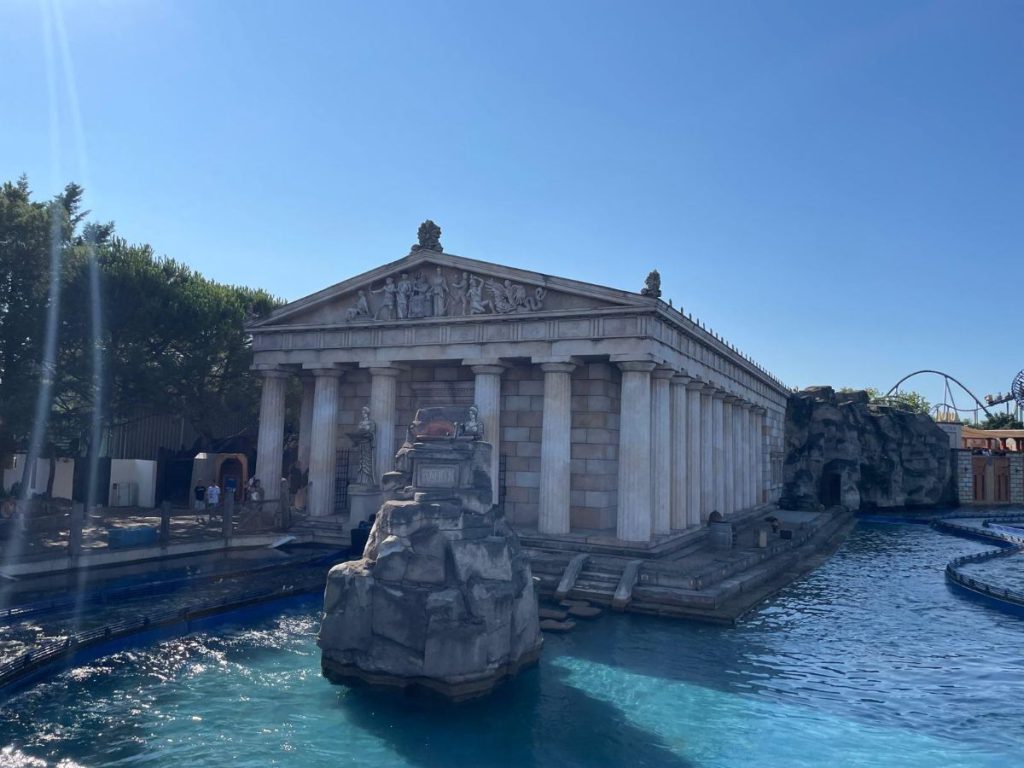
point(874, 659)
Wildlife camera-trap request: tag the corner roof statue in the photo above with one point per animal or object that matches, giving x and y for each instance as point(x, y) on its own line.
point(652, 285)
point(429, 236)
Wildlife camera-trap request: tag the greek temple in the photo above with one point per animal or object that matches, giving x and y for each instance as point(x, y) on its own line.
point(613, 416)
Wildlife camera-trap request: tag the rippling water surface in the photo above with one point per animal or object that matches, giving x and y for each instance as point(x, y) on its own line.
point(870, 661)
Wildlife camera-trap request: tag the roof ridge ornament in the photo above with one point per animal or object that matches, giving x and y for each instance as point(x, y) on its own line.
point(652, 285)
point(429, 236)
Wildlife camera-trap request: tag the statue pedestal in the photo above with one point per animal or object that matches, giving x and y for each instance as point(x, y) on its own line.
point(443, 596)
point(363, 501)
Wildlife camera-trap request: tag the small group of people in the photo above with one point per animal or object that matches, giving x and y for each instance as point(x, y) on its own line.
point(208, 497)
point(207, 500)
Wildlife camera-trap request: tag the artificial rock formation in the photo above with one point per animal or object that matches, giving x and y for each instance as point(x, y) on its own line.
point(443, 596)
point(841, 449)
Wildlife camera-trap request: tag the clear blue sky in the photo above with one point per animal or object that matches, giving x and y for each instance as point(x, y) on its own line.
point(836, 187)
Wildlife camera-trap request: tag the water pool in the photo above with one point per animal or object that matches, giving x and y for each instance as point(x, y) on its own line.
point(870, 661)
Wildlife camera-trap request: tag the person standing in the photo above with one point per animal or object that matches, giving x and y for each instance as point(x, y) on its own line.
point(200, 501)
point(212, 499)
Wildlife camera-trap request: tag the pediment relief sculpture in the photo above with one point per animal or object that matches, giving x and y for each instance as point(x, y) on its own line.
point(440, 292)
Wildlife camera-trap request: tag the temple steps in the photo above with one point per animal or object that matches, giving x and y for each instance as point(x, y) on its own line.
point(709, 584)
point(329, 531)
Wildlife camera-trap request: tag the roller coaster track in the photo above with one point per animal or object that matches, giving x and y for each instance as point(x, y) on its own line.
point(949, 392)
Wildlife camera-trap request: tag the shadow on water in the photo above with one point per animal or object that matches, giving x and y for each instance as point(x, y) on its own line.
point(536, 719)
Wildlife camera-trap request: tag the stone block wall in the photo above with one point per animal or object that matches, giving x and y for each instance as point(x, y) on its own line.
point(522, 411)
point(1017, 478)
point(594, 483)
point(774, 456)
point(418, 386)
point(964, 477)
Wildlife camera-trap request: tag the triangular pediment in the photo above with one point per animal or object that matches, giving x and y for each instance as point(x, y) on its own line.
point(428, 285)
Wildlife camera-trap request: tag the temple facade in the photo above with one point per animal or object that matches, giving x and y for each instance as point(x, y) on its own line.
point(609, 412)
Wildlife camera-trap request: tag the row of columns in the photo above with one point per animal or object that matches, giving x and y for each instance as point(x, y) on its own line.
point(686, 447)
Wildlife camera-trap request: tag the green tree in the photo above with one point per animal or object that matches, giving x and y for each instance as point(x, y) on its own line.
point(29, 231)
point(906, 399)
point(170, 340)
point(1001, 421)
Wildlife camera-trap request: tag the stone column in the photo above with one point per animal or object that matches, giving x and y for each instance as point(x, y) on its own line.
point(759, 454)
point(323, 449)
point(383, 386)
point(707, 451)
point(728, 456)
point(694, 477)
point(305, 421)
point(487, 397)
point(718, 448)
point(634, 514)
point(680, 463)
point(741, 420)
point(752, 457)
point(661, 450)
point(739, 435)
point(270, 440)
point(555, 448)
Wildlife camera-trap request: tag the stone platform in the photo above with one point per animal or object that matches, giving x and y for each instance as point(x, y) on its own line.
point(691, 578)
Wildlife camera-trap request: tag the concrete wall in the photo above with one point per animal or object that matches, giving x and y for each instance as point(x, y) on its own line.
point(63, 481)
point(139, 471)
point(954, 432)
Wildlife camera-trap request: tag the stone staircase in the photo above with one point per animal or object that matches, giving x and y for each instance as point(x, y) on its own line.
point(330, 531)
point(696, 582)
point(598, 579)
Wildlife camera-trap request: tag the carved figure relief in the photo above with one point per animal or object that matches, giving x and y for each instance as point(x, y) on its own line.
point(457, 294)
point(386, 310)
point(363, 438)
point(419, 299)
point(472, 426)
point(439, 293)
point(468, 294)
point(478, 305)
point(511, 297)
point(404, 293)
point(362, 308)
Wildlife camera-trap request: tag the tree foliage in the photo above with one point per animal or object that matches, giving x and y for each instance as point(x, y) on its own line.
point(171, 341)
point(906, 399)
point(1001, 421)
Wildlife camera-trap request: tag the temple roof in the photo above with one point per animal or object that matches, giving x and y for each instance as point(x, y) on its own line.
point(500, 290)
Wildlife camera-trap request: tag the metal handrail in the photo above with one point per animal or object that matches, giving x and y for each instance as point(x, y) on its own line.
point(1013, 544)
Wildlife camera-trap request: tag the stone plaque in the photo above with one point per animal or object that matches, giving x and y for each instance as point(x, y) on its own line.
point(436, 476)
point(428, 393)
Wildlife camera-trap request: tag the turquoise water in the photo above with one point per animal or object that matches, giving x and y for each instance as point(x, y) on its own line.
point(869, 661)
